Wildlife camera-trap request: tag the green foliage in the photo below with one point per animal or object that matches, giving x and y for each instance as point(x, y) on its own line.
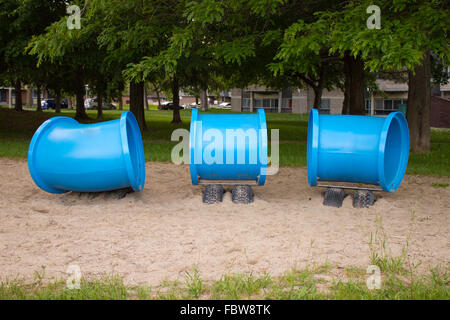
point(237, 50)
point(408, 29)
point(206, 12)
point(194, 283)
point(20, 20)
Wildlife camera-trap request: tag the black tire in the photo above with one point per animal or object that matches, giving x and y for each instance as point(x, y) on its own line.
point(213, 193)
point(242, 194)
point(334, 197)
point(363, 199)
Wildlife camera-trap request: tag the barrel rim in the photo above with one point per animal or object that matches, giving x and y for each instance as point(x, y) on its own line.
point(192, 138)
point(31, 153)
point(264, 146)
point(312, 147)
point(392, 186)
point(137, 182)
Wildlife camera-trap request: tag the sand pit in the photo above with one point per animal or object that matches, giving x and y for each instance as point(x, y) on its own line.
point(166, 230)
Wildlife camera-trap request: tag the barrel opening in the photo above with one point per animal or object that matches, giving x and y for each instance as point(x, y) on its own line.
point(312, 146)
point(136, 152)
point(393, 152)
point(133, 149)
point(396, 152)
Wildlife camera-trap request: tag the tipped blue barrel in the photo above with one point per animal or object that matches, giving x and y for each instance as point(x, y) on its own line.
point(65, 155)
point(228, 147)
point(359, 149)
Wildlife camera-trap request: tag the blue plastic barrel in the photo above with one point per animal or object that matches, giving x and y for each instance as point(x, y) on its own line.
point(65, 155)
point(228, 147)
point(360, 149)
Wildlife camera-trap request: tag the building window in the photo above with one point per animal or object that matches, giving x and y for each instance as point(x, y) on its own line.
point(2, 95)
point(269, 105)
point(246, 105)
point(388, 105)
point(385, 106)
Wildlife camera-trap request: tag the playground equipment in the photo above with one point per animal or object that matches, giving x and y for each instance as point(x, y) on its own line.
point(65, 155)
point(228, 149)
point(359, 149)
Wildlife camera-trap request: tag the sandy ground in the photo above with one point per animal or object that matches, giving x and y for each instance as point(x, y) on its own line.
point(165, 230)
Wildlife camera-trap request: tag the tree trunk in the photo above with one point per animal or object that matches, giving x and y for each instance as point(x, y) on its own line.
point(18, 94)
point(419, 104)
point(355, 87)
point(176, 100)
point(81, 111)
point(99, 106)
point(204, 99)
point(347, 77)
point(80, 91)
point(29, 97)
point(145, 99)
point(120, 102)
point(158, 97)
point(317, 97)
point(137, 103)
point(38, 100)
point(58, 102)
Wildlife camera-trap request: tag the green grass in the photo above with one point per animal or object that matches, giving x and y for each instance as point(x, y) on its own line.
point(439, 185)
point(16, 130)
point(310, 283)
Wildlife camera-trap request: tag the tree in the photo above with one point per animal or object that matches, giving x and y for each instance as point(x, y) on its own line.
point(19, 21)
point(84, 58)
point(410, 30)
point(170, 52)
point(258, 42)
point(220, 40)
point(129, 31)
point(73, 51)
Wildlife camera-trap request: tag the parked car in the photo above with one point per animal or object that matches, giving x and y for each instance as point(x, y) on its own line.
point(92, 104)
point(194, 105)
point(225, 105)
point(51, 104)
point(168, 105)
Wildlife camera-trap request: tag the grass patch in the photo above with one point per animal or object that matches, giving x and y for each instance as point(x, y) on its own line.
point(107, 288)
point(17, 129)
point(295, 284)
point(439, 185)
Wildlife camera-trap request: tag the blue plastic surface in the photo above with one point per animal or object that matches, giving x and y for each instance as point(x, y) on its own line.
point(360, 149)
point(233, 160)
point(65, 155)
